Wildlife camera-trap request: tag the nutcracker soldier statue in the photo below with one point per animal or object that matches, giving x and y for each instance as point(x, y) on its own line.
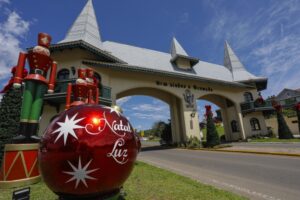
point(79, 90)
point(36, 85)
point(84, 90)
point(24, 150)
point(92, 84)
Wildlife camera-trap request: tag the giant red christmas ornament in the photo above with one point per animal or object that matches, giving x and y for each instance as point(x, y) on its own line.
point(87, 151)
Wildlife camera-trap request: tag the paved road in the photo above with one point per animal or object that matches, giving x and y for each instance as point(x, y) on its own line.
point(291, 145)
point(254, 176)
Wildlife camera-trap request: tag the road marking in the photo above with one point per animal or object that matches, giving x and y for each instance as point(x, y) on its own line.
point(254, 193)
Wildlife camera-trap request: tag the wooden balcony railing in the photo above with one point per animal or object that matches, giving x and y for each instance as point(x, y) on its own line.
point(59, 94)
point(252, 106)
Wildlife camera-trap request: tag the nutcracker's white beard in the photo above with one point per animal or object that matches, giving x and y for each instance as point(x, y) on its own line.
point(41, 50)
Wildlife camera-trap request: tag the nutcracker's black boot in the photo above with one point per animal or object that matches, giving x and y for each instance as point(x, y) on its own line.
point(21, 138)
point(32, 133)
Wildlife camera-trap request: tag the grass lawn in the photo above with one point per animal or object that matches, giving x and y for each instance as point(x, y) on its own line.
point(274, 140)
point(148, 183)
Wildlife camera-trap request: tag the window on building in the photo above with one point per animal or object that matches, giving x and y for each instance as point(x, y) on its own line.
point(254, 124)
point(73, 70)
point(63, 74)
point(98, 77)
point(248, 97)
point(234, 126)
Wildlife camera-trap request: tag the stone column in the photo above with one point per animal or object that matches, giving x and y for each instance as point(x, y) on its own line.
point(175, 120)
point(226, 124)
point(190, 121)
point(113, 99)
point(241, 121)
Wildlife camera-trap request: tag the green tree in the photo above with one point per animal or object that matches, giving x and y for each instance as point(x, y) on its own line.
point(284, 131)
point(10, 107)
point(158, 128)
point(167, 133)
point(212, 136)
point(298, 115)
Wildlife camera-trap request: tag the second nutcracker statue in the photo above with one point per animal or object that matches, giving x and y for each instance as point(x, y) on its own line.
point(36, 85)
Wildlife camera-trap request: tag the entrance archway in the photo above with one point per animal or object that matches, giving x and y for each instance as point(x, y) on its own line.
point(149, 116)
point(171, 100)
point(230, 118)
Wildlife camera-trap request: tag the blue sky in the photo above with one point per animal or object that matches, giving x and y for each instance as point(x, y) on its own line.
point(263, 33)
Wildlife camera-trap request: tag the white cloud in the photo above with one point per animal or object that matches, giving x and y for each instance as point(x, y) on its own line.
point(123, 100)
point(150, 107)
point(267, 40)
point(184, 18)
point(151, 116)
point(11, 32)
point(15, 25)
point(138, 127)
point(4, 2)
point(155, 111)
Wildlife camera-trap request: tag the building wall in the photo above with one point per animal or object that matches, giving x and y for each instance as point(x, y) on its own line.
point(231, 115)
point(71, 58)
point(291, 122)
point(263, 127)
point(48, 113)
point(169, 89)
point(125, 81)
point(287, 93)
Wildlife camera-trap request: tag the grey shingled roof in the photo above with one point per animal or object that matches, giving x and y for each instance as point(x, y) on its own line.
point(132, 68)
point(156, 60)
point(85, 27)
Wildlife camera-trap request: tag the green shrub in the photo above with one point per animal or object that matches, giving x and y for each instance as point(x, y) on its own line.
point(284, 131)
point(193, 142)
point(222, 138)
point(212, 136)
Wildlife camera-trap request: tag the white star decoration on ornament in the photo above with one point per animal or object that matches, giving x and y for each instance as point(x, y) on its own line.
point(80, 174)
point(113, 110)
point(67, 128)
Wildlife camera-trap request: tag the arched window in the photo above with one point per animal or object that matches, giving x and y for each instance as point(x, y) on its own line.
point(98, 77)
point(254, 124)
point(234, 126)
point(73, 70)
point(63, 74)
point(248, 97)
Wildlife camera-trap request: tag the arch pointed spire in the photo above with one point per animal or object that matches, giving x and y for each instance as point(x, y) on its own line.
point(177, 49)
point(231, 61)
point(238, 70)
point(178, 54)
point(85, 27)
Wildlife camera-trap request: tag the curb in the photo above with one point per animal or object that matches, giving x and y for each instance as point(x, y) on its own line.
point(247, 151)
point(259, 152)
point(270, 143)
